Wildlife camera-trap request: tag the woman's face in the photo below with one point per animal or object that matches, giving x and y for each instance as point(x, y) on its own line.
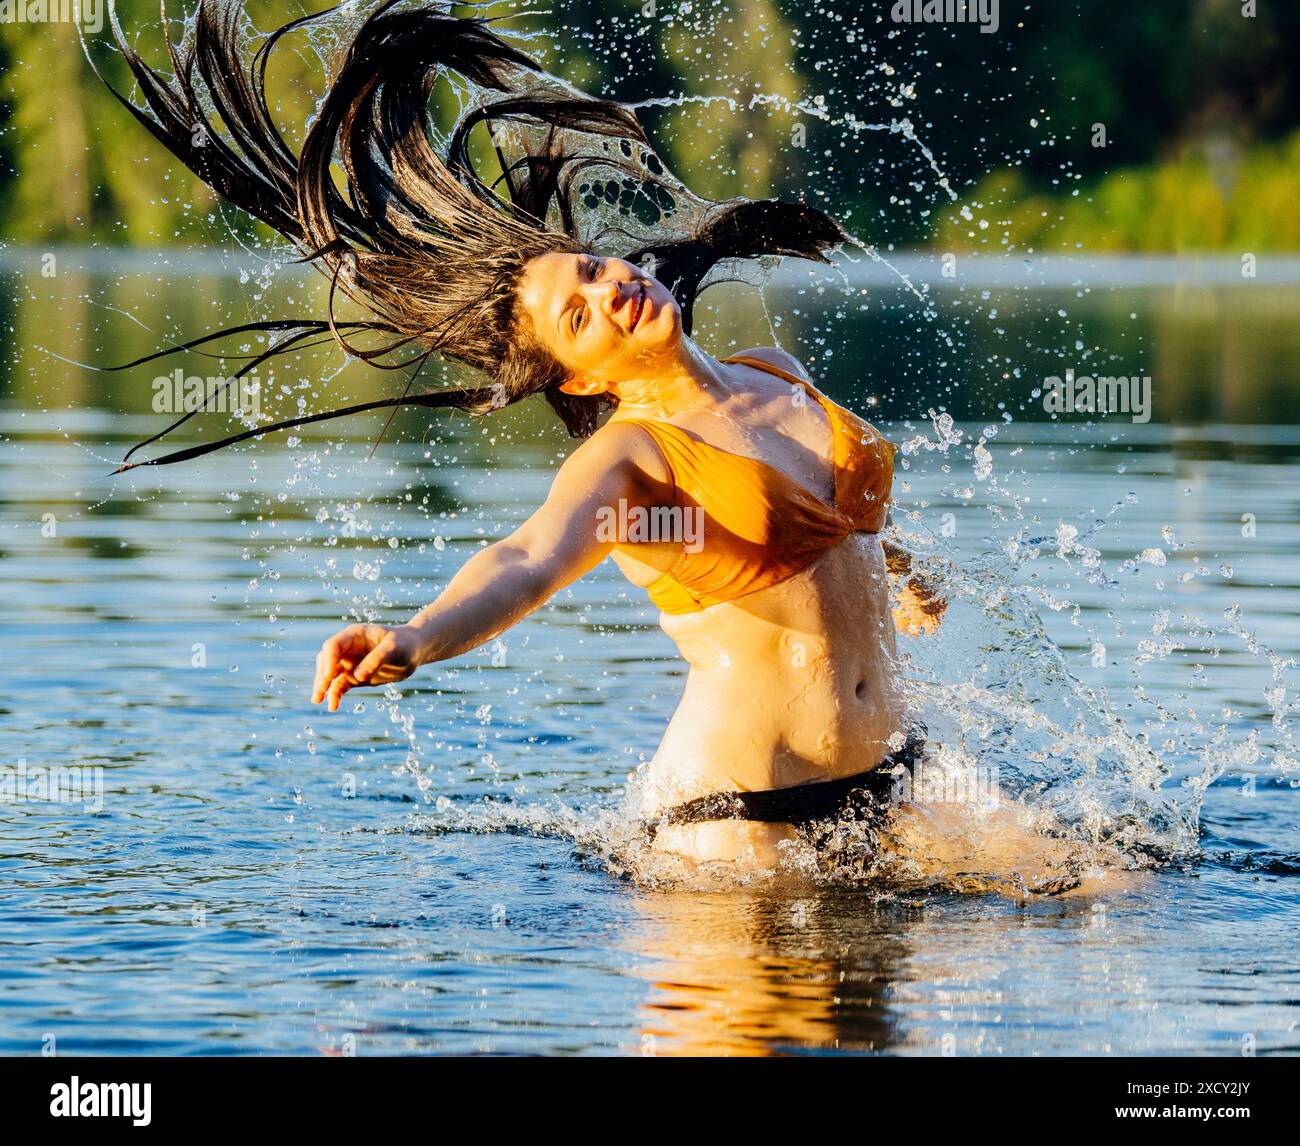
point(603, 318)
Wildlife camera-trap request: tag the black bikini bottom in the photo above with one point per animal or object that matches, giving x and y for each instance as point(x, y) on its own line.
point(864, 795)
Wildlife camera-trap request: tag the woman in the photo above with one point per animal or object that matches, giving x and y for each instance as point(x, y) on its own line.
point(779, 607)
point(747, 503)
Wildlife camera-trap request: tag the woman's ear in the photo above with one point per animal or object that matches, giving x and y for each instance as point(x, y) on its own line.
point(584, 387)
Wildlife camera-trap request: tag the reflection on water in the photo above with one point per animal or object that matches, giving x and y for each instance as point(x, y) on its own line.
point(751, 973)
point(254, 881)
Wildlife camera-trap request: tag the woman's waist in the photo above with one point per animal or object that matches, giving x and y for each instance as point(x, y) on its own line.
point(701, 757)
point(818, 794)
point(810, 720)
point(790, 668)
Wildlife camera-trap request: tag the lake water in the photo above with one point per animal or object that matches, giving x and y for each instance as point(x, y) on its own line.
point(262, 877)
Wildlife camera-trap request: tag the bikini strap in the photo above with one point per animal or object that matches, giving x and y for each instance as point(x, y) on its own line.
point(763, 364)
point(839, 436)
point(760, 364)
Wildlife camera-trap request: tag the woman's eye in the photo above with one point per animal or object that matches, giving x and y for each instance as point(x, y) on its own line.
point(580, 314)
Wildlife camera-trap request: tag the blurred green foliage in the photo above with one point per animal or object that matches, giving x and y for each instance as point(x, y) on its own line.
point(1198, 103)
point(1198, 201)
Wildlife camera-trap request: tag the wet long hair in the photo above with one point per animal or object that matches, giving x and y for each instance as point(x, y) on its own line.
point(419, 239)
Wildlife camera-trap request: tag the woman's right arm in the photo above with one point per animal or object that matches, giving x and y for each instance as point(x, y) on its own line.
point(506, 581)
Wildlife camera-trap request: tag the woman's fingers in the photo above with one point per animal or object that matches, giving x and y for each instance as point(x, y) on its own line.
point(338, 686)
point(328, 663)
point(336, 654)
point(376, 657)
point(325, 661)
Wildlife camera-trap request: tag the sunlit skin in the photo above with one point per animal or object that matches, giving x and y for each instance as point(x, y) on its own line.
point(787, 685)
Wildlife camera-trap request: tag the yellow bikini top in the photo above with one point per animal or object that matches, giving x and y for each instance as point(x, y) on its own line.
point(746, 525)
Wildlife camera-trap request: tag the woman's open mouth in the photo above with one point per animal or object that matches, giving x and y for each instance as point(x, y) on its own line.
point(638, 308)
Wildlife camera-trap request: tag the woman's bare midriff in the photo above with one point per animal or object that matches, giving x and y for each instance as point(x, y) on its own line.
point(789, 685)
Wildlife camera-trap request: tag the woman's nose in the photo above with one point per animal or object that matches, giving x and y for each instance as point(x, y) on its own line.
point(613, 293)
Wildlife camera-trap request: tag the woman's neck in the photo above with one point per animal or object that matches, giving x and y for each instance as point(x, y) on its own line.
point(691, 380)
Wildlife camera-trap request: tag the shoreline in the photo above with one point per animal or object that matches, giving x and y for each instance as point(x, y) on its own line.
point(922, 267)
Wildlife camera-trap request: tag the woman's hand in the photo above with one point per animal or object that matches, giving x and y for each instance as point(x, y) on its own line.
point(364, 654)
point(919, 609)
